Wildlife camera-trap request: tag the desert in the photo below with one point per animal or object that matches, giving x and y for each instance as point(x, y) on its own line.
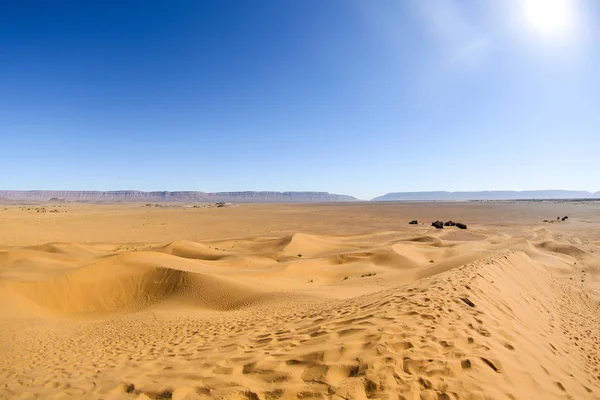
point(273, 200)
point(282, 301)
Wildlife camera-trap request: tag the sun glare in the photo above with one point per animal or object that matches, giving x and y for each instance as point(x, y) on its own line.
point(550, 17)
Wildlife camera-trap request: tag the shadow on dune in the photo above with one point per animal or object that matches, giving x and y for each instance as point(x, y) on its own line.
point(129, 283)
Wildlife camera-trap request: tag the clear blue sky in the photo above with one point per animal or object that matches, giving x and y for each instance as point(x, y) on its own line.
point(352, 97)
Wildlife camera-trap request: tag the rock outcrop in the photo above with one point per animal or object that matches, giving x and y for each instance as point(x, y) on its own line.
point(438, 224)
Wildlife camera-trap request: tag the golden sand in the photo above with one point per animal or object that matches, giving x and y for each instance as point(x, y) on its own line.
point(340, 301)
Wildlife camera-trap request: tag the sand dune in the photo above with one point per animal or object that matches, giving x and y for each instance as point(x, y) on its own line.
point(132, 282)
point(189, 249)
point(312, 245)
point(490, 313)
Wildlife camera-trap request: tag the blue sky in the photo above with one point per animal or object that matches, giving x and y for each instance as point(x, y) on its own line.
point(352, 97)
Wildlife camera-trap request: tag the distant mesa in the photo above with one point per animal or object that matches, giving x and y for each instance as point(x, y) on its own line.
point(134, 196)
point(488, 195)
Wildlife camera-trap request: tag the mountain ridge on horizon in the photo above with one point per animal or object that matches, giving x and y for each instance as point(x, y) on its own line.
point(281, 197)
point(172, 197)
point(488, 195)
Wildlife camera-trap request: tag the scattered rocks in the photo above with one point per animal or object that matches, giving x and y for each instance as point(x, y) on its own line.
point(440, 225)
point(558, 219)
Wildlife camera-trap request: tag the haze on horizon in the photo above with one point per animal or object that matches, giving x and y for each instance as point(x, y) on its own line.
point(349, 97)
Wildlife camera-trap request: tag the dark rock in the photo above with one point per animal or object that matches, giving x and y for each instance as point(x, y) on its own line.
point(461, 226)
point(438, 224)
point(565, 218)
point(449, 223)
point(413, 222)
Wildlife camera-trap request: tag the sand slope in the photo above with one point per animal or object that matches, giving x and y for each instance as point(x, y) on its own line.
point(408, 314)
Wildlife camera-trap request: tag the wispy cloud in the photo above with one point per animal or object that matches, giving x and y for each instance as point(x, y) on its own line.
point(443, 18)
point(461, 42)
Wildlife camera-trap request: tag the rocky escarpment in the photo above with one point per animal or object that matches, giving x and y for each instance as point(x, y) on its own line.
point(488, 195)
point(182, 196)
point(292, 197)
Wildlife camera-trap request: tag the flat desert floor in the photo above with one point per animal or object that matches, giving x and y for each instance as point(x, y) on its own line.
point(340, 301)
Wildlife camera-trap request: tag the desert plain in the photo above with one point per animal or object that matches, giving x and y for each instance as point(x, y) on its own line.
point(300, 301)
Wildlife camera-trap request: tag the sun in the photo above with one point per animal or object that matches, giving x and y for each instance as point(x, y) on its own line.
point(550, 17)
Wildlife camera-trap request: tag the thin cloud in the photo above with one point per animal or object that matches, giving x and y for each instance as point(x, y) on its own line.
point(446, 21)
